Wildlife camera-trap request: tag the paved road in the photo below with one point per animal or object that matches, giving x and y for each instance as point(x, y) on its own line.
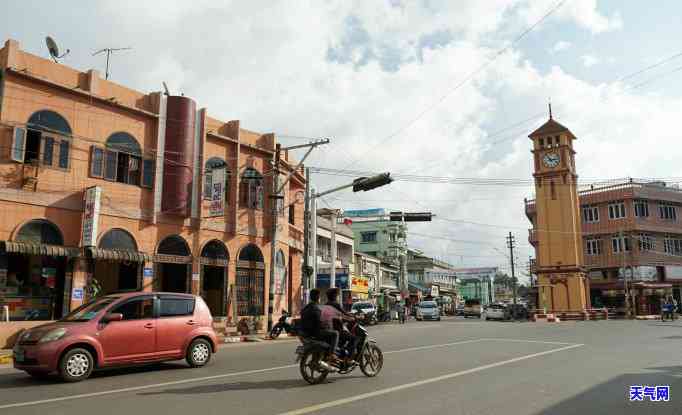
point(450, 367)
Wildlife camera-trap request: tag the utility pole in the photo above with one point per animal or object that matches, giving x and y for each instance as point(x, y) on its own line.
point(274, 205)
point(621, 242)
point(306, 240)
point(276, 195)
point(332, 272)
point(510, 244)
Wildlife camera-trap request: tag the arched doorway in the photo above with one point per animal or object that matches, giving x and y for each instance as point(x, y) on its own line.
point(117, 262)
point(174, 259)
point(36, 267)
point(214, 260)
point(250, 282)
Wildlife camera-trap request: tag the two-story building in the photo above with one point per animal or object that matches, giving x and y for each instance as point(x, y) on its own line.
point(632, 225)
point(105, 188)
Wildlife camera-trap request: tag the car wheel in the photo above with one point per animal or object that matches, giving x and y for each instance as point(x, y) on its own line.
point(76, 365)
point(198, 353)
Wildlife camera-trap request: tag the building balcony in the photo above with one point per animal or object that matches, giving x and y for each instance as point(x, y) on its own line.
point(533, 237)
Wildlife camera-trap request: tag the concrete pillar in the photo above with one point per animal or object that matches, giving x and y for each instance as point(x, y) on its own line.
point(93, 82)
point(79, 280)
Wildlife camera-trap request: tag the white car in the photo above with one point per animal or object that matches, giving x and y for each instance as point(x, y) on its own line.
point(428, 310)
point(495, 312)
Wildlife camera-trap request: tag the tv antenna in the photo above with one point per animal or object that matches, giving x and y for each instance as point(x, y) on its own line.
point(109, 51)
point(54, 49)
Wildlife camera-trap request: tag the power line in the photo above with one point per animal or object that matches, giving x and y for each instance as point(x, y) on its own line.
point(469, 77)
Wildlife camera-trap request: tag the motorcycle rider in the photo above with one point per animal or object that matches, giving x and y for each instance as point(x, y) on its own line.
point(339, 317)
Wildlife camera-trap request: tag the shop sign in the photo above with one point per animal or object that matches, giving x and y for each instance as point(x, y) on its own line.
point(434, 291)
point(673, 272)
point(217, 207)
point(77, 294)
point(93, 196)
point(359, 284)
point(147, 272)
point(359, 213)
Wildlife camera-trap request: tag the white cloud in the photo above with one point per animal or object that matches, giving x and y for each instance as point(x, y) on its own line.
point(560, 46)
point(266, 64)
point(589, 60)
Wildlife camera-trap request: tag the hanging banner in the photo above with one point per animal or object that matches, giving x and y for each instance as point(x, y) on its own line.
point(435, 292)
point(93, 198)
point(217, 207)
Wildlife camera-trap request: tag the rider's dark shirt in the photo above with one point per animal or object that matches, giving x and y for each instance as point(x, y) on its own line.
point(310, 319)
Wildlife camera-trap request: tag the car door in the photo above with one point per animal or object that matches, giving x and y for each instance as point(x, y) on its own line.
point(134, 337)
point(175, 323)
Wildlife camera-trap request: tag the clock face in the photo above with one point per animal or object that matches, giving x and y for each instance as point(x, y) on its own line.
point(551, 160)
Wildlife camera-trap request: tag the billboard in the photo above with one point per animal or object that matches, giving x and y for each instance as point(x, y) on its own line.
point(93, 196)
point(217, 207)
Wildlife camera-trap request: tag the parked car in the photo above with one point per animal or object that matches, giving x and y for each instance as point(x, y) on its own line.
point(369, 311)
point(119, 329)
point(496, 312)
point(472, 308)
point(522, 312)
point(459, 310)
point(428, 310)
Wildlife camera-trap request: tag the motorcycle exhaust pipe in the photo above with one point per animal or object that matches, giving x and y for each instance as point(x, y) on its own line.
point(326, 366)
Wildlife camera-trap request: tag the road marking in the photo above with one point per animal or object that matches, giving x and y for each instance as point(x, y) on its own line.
point(502, 339)
point(433, 346)
point(201, 379)
point(137, 388)
point(380, 392)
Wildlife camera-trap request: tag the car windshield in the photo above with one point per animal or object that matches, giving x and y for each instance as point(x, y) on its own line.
point(359, 306)
point(89, 310)
point(427, 305)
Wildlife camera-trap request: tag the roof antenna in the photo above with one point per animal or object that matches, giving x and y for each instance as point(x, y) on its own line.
point(550, 108)
point(165, 88)
point(109, 51)
point(54, 49)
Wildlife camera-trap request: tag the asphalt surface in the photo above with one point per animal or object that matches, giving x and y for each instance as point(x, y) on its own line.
point(455, 366)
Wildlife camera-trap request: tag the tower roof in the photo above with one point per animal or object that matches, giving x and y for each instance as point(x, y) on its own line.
point(550, 127)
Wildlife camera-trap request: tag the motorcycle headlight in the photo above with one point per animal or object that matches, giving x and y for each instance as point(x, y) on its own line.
point(52, 335)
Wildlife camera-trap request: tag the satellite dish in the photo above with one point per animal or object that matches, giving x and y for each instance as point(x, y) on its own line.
point(54, 49)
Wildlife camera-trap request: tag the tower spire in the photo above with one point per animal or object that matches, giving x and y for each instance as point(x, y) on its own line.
point(550, 108)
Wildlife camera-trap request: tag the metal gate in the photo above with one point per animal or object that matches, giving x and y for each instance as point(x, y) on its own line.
point(250, 289)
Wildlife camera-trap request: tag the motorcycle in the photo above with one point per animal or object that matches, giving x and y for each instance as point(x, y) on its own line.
point(282, 325)
point(359, 351)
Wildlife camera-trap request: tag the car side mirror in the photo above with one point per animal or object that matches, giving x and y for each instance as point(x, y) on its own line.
point(108, 318)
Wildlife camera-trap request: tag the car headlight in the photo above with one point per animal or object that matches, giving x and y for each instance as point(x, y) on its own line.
point(52, 335)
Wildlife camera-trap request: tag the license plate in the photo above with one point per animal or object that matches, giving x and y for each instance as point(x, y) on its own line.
point(299, 350)
point(19, 355)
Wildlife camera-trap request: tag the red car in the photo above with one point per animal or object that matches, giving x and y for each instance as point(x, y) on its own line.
point(119, 329)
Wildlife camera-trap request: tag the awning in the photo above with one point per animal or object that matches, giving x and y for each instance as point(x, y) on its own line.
point(119, 255)
point(41, 249)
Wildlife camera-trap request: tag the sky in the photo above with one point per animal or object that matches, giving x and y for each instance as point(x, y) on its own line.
point(430, 88)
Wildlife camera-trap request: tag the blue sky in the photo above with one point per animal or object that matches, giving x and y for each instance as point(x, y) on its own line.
point(378, 77)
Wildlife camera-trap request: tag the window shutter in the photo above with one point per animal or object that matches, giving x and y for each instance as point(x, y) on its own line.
point(64, 150)
point(96, 161)
point(208, 184)
point(148, 168)
point(18, 149)
point(47, 150)
point(110, 164)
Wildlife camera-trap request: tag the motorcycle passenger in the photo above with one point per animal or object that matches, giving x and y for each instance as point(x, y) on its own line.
point(339, 317)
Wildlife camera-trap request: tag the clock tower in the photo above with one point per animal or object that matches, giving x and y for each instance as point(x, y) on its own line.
point(562, 282)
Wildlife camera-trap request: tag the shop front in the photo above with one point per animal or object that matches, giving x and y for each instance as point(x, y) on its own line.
point(646, 296)
point(117, 262)
point(174, 265)
point(35, 273)
point(214, 262)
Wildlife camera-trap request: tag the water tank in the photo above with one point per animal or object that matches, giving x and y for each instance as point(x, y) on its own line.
point(178, 166)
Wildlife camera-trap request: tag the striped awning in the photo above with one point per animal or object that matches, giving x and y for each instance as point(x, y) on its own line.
point(41, 249)
point(119, 255)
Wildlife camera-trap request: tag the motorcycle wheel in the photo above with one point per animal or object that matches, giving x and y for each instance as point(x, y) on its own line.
point(310, 368)
point(371, 360)
point(275, 332)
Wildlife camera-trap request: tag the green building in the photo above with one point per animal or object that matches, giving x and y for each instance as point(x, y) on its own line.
point(376, 235)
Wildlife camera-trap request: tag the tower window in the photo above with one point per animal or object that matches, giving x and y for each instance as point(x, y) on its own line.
point(542, 142)
point(641, 208)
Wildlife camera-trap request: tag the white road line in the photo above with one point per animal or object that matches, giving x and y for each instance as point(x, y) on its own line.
point(201, 379)
point(137, 388)
point(502, 339)
point(433, 346)
point(380, 392)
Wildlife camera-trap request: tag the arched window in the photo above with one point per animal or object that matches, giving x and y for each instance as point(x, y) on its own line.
point(40, 231)
point(120, 160)
point(215, 249)
point(45, 140)
point(214, 163)
point(174, 245)
point(118, 239)
point(251, 189)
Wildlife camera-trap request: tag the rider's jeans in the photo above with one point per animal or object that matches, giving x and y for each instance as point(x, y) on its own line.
point(331, 337)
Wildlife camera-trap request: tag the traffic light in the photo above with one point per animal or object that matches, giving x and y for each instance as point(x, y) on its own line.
point(369, 183)
point(396, 216)
point(417, 217)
